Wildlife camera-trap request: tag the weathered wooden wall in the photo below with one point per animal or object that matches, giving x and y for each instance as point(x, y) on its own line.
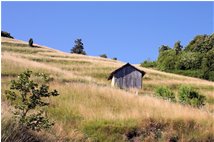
point(127, 77)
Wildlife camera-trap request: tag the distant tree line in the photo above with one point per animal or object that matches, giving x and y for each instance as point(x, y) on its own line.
point(196, 59)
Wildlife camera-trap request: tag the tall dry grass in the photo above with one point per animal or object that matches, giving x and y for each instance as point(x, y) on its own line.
point(86, 94)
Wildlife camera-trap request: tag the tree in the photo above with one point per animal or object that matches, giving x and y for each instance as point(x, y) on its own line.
point(164, 48)
point(208, 65)
point(167, 60)
point(78, 47)
point(28, 98)
point(201, 43)
point(178, 47)
point(189, 61)
point(114, 58)
point(103, 56)
point(30, 42)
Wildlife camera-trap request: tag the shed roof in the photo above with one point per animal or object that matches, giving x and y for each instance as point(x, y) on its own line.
point(115, 71)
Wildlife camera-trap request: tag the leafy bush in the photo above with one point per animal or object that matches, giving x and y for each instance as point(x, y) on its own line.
point(114, 58)
point(165, 93)
point(27, 97)
point(30, 42)
point(187, 95)
point(148, 63)
point(103, 56)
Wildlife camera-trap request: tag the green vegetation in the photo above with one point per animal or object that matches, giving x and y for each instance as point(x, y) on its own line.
point(145, 130)
point(165, 93)
point(78, 47)
point(196, 59)
point(188, 95)
point(30, 42)
point(26, 95)
point(6, 34)
point(108, 131)
point(88, 109)
point(149, 64)
point(103, 56)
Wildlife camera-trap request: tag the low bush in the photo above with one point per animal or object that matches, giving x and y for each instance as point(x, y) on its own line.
point(150, 64)
point(6, 34)
point(103, 56)
point(187, 95)
point(165, 93)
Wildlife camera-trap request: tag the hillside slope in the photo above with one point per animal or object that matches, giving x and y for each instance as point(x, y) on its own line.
point(89, 109)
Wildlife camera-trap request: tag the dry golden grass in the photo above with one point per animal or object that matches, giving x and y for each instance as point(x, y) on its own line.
point(95, 102)
point(86, 94)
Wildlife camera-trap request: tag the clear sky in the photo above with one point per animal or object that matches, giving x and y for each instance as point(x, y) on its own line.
point(130, 31)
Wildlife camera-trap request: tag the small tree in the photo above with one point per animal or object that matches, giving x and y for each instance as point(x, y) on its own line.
point(114, 58)
point(27, 97)
point(103, 56)
point(78, 47)
point(30, 42)
point(178, 47)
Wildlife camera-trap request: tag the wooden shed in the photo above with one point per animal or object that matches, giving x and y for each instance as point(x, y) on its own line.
point(127, 77)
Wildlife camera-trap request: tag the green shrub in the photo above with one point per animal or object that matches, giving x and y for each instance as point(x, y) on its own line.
point(30, 42)
point(27, 96)
point(148, 63)
point(6, 34)
point(187, 95)
point(165, 93)
point(103, 56)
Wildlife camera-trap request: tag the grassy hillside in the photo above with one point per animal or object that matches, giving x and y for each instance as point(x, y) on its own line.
point(89, 109)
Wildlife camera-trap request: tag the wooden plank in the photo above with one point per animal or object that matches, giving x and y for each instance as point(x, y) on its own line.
point(128, 77)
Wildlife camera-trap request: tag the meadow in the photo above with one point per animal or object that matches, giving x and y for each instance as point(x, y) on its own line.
point(89, 109)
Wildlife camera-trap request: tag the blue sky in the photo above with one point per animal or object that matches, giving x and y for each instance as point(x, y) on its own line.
point(130, 31)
